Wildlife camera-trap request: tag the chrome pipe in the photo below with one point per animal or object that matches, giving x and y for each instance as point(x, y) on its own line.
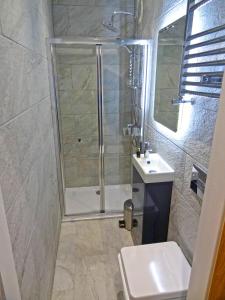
point(205, 94)
point(70, 41)
point(205, 43)
point(197, 5)
point(202, 84)
point(100, 102)
point(205, 32)
point(205, 64)
point(200, 74)
point(205, 53)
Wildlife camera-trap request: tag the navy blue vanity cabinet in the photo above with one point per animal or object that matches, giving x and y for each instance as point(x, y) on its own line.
point(151, 210)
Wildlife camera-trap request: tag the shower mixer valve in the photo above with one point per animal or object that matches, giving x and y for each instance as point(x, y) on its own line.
point(131, 130)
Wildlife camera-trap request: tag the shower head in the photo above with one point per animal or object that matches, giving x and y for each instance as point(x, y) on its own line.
point(129, 49)
point(110, 27)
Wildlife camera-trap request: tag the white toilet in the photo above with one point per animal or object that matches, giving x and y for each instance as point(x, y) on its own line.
point(154, 272)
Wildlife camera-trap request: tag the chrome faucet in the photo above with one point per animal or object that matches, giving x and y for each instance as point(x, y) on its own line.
point(147, 149)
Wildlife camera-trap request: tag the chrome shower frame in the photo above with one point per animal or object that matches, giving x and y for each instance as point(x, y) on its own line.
point(99, 44)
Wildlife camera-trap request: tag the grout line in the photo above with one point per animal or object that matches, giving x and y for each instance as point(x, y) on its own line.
point(23, 46)
point(23, 112)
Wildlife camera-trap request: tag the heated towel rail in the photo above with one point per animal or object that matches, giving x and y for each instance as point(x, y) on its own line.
point(202, 67)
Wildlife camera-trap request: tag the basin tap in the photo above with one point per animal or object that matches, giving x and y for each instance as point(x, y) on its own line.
point(147, 149)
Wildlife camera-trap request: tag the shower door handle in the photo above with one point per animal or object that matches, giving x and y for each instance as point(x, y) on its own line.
point(100, 101)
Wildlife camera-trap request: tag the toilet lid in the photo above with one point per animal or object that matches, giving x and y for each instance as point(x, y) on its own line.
point(155, 271)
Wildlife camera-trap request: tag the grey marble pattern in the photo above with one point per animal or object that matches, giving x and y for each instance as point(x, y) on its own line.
point(82, 147)
point(76, 68)
point(87, 264)
point(81, 171)
point(24, 79)
point(27, 157)
point(193, 143)
point(74, 102)
point(72, 18)
point(183, 226)
point(117, 144)
point(32, 171)
point(2, 293)
point(26, 22)
point(78, 110)
point(84, 77)
point(74, 2)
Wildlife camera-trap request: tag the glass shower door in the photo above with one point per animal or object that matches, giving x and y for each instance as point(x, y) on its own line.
point(117, 116)
point(76, 71)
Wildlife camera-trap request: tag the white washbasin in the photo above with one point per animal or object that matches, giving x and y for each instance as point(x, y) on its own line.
point(156, 171)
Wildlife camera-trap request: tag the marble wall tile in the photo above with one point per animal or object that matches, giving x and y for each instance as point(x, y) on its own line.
point(76, 55)
point(111, 124)
point(184, 220)
point(84, 147)
point(117, 169)
point(198, 138)
point(193, 143)
point(79, 126)
point(113, 165)
point(117, 145)
point(61, 20)
point(72, 20)
point(116, 4)
point(23, 164)
point(27, 156)
point(24, 79)
point(67, 129)
point(77, 83)
point(86, 125)
point(25, 23)
point(64, 77)
point(81, 171)
point(2, 293)
point(86, 54)
point(84, 77)
point(114, 77)
point(22, 140)
point(74, 2)
point(73, 102)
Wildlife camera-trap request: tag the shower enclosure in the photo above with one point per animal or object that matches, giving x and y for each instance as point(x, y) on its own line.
point(99, 91)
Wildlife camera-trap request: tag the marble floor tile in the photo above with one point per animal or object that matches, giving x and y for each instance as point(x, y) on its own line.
point(87, 266)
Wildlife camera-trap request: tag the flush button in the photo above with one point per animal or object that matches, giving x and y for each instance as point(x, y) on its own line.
point(198, 181)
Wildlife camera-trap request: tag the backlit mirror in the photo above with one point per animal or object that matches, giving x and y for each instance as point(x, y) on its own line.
point(169, 59)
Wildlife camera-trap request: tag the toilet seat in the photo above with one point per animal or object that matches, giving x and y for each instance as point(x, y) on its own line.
point(154, 272)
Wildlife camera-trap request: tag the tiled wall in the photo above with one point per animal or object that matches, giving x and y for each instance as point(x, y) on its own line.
point(193, 143)
point(84, 18)
point(76, 69)
point(2, 293)
point(27, 157)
